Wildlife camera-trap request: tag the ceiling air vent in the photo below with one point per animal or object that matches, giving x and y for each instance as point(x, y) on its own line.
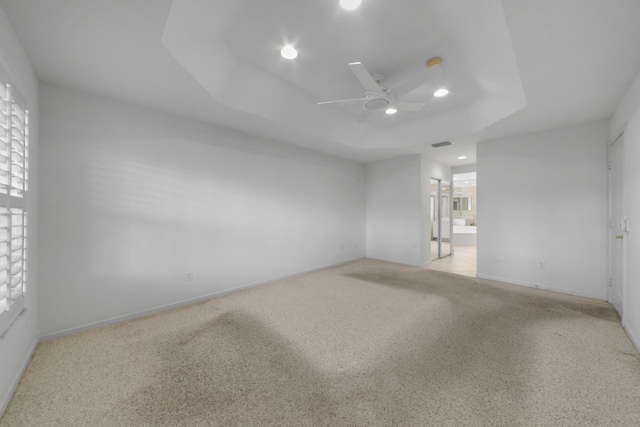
point(441, 144)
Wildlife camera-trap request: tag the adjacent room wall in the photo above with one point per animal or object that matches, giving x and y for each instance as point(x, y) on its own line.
point(544, 199)
point(627, 118)
point(133, 200)
point(20, 340)
point(394, 210)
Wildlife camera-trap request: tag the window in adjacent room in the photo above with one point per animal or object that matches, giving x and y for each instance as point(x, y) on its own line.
point(14, 165)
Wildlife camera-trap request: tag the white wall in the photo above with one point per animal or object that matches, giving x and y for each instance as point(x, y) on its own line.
point(394, 210)
point(398, 225)
point(463, 169)
point(19, 342)
point(627, 117)
point(134, 199)
point(544, 198)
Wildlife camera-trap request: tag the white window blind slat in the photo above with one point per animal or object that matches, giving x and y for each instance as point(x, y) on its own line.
point(14, 163)
point(17, 130)
point(16, 256)
point(16, 292)
point(15, 269)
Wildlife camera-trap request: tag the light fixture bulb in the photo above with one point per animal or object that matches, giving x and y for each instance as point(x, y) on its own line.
point(462, 157)
point(391, 110)
point(350, 4)
point(289, 52)
point(441, 92)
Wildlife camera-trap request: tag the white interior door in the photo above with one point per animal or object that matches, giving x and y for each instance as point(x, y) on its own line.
point(617, 225)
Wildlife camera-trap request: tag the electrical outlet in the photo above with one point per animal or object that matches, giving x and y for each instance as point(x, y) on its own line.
point(542, 264)
point(189, 276)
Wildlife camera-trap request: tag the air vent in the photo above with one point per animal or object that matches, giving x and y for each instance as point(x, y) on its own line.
point(441, 144)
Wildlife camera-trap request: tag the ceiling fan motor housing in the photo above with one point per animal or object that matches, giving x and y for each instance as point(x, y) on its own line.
point(376, 102)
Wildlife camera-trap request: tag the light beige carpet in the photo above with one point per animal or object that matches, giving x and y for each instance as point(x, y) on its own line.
point(365, 344)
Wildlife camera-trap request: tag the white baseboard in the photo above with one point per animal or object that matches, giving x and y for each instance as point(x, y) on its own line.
point(147, 312)
point(632, 337)
point(6, 398)
point(543, 287)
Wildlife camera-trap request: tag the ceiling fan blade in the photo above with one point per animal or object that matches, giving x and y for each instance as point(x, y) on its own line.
point(409, 106)
point(364, 114)
point(341, 101)
point(415, 82)
point(365, 78)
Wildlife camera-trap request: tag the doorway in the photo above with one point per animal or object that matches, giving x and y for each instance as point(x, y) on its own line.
point(464, 214)
point(618, 225)
point(441, 225)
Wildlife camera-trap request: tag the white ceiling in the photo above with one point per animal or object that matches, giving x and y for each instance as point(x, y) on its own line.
point(467, 179)
point(513, 66)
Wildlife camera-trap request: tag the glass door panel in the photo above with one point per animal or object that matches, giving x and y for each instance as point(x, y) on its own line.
point(446, 247)
point(435, 218)
point(440, 216)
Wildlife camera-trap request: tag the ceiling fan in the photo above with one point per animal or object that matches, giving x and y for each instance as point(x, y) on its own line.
point(378, 97)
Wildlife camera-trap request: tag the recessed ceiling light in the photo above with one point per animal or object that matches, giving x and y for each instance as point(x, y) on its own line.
point(462, 157)
point(350, 4)
point(289, 52)
point(441, 92)
point(391, 110)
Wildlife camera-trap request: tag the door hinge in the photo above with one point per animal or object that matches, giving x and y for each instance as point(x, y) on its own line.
point(609, 164)
point(610, 282)
point(624, 225)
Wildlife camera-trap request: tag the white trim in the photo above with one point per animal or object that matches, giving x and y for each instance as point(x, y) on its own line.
point(632, 337)
point(4, 400)
point(543, 287)
point(618, 134)
point(147, 312)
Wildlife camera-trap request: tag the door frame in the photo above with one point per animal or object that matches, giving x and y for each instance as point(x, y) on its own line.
point(438, 215)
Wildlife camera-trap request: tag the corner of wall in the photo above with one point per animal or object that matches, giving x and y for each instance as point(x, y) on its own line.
point(628, 105)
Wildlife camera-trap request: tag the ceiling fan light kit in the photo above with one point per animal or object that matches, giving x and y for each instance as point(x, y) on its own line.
point(376, 103)
point(378, 97)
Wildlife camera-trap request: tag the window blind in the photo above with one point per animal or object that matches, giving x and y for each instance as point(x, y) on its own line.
point(14, 164)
